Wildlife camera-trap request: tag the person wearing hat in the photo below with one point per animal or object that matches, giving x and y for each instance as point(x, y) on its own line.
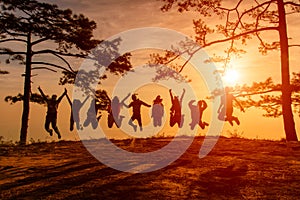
point(157, 111)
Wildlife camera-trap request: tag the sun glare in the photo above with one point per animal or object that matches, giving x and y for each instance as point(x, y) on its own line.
point(230, 77)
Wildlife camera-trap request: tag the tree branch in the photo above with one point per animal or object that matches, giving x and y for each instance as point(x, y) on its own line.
point(9, 40)
point(294, 45)
point(52, 65)
point(39, 41)
point(34, 68)
point(13, 33)
point(60, 53)
point(12, 53)
point(241, 34)
point(55, 54)
point(256, 93)
point(292, 3)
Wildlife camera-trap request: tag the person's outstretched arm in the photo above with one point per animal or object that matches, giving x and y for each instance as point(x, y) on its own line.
point(170, 91)
point(191, 103)
point(204, 105)
point(181, 98)
point(145, 104)
point(241, 107)
point(221, 104)
point(42, 93)
point(127, 106)
point(128, 95)
point(86, 98)
point(69, 100)
point(63, 94)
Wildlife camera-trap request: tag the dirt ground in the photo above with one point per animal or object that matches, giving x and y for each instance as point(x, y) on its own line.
point(235, 169)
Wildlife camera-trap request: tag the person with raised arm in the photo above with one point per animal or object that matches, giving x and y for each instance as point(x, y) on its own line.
point(175, 114)
point(76, 105)
point(113, 110)
point(136, 111)
point(52, 106)
point(226, 107)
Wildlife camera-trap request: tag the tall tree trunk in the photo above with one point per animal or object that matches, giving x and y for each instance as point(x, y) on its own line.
point(27, 89)
point(288, 119)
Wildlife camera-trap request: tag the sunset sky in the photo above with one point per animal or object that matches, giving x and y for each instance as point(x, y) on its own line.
point(115, 16)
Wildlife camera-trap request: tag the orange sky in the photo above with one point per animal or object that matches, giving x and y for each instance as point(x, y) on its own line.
point(115, 16)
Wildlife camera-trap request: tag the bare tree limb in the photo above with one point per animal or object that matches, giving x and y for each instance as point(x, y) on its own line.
point(11, 40)
point(60, 53)
point(52, 65)
point(55, 54)
point(39, 41)
point(291, 3)
point(12, 53)
point(35, 68)
point(294, 45)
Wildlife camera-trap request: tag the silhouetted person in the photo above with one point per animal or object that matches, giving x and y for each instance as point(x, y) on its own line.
point(196, 113)
point(136, 111)
point(175, 114)
point(91, 116)
point(52, 106)
point(75, 108)
point(113, 110)
point(157, 111)
point(226, 107)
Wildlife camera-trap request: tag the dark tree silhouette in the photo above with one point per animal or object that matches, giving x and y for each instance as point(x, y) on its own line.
point(32, 23)
point(243, 21)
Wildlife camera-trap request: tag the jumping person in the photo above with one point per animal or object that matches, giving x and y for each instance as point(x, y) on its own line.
point(226, 107)
point(75, 108)
point(91, 116)
point(136, 111)
point(196, 113)
point(175, 114)
point(113, 110)
point(52, 106)
point(202, 105)
point(157, 111)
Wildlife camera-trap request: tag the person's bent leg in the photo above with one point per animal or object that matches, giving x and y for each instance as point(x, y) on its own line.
point(130, 122)
point(236, 120)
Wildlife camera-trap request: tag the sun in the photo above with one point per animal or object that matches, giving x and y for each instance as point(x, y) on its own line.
point(230, 77)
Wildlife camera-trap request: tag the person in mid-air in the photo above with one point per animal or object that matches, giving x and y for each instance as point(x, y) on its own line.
point(75, 108)
point(226, 107)
point(157, 111)
point(51, 117)
point(197, 113)
point(114, 108)
point(175, 114)
point(92, 115)
point(136, 111)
